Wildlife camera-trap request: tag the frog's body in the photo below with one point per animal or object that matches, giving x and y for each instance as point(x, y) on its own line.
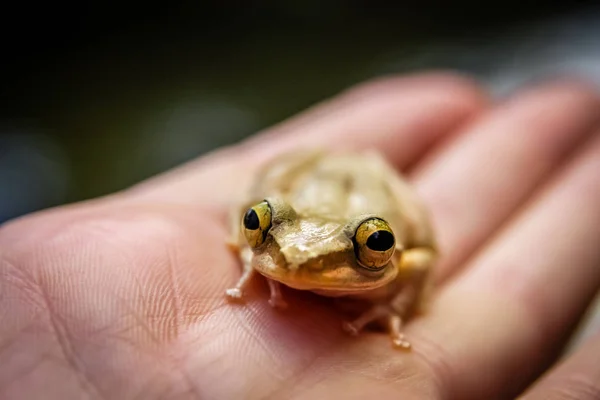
point(315, 207)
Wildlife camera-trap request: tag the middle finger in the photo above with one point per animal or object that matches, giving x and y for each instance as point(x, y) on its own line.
point(496, 325)
point(477, 181)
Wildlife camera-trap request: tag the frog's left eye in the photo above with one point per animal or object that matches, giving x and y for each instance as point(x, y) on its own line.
point(257, 222)
point(374, 243)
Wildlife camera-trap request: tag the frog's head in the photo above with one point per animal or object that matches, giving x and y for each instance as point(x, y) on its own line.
point(316, 253)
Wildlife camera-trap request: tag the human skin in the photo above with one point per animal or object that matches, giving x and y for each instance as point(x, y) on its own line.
point(122, 297)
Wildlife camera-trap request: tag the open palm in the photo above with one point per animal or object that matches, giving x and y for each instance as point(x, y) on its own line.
point(123, 297)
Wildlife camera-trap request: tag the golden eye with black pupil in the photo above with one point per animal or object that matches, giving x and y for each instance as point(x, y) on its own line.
point(374, 243)
point(257, 222)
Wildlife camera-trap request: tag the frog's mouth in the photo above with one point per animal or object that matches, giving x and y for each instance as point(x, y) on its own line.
point(339, 278)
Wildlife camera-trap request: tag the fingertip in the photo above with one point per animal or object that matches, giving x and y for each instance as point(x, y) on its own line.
point(574, 88)
point(461, 90)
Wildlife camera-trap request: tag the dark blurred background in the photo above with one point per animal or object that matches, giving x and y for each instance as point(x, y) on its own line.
point(99, 95)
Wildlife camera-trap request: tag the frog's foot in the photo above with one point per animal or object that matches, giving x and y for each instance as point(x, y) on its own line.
point(234, 293)
point(398, 339)
point(276, 300)
point(400, 342)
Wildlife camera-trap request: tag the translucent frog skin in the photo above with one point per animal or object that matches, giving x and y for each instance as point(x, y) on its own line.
point(339, 225)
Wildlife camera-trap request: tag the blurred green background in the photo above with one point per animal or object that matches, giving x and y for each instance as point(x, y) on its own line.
point(98, 96)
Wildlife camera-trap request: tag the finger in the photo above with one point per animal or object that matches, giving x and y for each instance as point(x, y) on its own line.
point(578, 377)
point(474, 184)
point(519, 298)
point(402, 117)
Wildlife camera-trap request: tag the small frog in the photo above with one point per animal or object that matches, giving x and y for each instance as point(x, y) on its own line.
point(340, 225)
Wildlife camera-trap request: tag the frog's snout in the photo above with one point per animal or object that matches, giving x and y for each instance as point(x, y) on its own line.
point(295, 257)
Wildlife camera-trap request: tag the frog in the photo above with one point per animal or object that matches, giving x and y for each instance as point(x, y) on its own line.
point(340, 224)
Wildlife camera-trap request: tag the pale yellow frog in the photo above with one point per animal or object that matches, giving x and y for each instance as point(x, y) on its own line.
point(338, 224)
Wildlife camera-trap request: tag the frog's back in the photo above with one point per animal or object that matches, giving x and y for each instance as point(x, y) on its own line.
point(340, 186)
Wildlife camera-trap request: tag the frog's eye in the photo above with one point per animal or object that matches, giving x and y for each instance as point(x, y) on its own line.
point(256, 223)
point(374, 243)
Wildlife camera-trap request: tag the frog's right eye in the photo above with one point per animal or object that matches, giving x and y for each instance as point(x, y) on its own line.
point(257, 222)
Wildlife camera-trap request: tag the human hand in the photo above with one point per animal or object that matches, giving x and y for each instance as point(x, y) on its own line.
point(123, 297)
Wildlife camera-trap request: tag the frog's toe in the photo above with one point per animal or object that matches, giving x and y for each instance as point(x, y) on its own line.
point(278, 302)
point(350, 328)
point(400, 342)
point(234, 294)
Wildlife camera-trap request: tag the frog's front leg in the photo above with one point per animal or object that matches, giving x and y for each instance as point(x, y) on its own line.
point(234, 242)
point(414, 269)
point(276, 298)
point(237, 292)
